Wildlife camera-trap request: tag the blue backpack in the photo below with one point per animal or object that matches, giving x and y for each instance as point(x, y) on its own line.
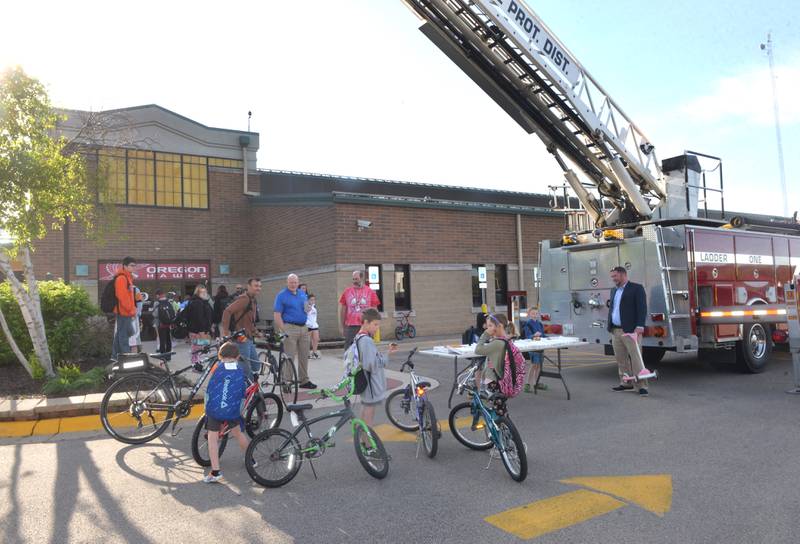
point(225, 392)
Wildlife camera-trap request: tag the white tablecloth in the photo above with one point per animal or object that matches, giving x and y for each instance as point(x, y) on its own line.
point(468, 351)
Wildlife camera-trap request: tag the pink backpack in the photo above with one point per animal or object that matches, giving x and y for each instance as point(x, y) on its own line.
point(513, 371)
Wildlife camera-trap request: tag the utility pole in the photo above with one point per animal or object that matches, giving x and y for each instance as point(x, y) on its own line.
point(768, 48)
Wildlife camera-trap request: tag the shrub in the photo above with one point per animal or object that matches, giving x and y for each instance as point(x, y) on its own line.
point(70, 379)
point(36, 367)
point(65, 309)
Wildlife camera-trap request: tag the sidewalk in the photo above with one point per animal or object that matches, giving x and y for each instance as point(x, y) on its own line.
point(49, 416)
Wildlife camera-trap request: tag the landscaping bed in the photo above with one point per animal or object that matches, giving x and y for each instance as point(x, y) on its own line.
point(16, 383)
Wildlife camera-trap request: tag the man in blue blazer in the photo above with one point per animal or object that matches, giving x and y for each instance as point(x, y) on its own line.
point(626, 316)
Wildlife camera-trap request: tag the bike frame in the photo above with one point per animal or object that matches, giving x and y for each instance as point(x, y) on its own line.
point(345, 414)
point(479, 407)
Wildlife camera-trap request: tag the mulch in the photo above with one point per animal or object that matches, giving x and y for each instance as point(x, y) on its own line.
point(16, 383)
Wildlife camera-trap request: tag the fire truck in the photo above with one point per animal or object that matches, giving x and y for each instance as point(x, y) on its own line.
point(714, 280)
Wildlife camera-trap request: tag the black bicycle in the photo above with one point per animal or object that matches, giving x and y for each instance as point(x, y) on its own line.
point(281, 375)
point(140, 405)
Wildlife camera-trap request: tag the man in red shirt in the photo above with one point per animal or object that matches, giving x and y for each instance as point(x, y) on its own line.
point(353, 301)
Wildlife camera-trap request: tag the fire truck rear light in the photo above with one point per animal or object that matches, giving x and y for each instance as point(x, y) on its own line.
point(553, 329)
point(657, 317)
point(779, 336)
point(545, 317)
point(658, 332)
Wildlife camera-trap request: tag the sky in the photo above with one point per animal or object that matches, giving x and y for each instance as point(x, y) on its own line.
point(351, 87)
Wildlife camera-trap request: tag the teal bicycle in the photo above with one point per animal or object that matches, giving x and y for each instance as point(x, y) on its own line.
point(274, 457)
point(483, 424)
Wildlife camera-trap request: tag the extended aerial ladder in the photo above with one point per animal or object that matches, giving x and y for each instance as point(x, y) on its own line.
point(516, 59)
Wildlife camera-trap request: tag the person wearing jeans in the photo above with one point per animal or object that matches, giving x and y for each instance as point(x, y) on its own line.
point(241, 314)
point(125, 309)
point(291, 313)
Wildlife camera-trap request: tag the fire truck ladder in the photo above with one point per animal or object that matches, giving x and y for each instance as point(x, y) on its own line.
point(506, 49)
point(674, 265)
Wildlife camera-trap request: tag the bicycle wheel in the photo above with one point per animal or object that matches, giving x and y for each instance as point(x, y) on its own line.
point(401, 410)
point(200, 443)
point(398, 332)
point(286, 380)
point(461, 420)
point(278, 456)
point(370, 452)
point(137, 408)
point(512, 450)
point(265, 412)
point(411, 331)
point(430, 430)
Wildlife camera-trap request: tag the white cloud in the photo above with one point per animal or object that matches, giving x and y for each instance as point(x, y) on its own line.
point(748, 97)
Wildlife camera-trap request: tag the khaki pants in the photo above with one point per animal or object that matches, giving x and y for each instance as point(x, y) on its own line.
point(298, 344)
point(629, 355)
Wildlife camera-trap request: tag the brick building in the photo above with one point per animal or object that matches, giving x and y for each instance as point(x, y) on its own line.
point(191, 212)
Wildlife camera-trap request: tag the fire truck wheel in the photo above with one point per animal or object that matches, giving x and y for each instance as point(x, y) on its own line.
point(652, 355)
point(755, 349)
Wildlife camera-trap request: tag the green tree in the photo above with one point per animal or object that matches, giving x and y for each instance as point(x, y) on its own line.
point(44, 182)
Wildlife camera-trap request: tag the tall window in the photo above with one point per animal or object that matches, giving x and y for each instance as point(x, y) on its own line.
point(111, 166)
point(141, 179)
point(477, 298)
point(374, 277)
point(501, 284)
point(145, 178)
point(168, 180)
point(195, 182)
point(402, 287)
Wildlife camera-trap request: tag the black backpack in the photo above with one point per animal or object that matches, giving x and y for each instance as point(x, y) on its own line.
point(108, 298)
point(166, 313)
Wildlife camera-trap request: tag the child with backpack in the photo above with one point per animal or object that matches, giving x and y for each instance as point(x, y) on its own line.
point(224, 396)
point(363, 357)
point(504, 362)
point(164, 316)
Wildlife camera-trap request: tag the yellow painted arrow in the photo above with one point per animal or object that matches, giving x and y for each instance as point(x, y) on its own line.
point(651, 492)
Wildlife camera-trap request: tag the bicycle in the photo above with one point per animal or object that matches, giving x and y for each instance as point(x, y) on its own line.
point(404, 327)
point(274, 456)
point(280, 371)
point(146, 399)
point(257, 411)
point(409, 409)
point(482, 427)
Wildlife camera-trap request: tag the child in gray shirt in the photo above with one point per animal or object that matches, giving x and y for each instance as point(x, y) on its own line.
point(373, 362)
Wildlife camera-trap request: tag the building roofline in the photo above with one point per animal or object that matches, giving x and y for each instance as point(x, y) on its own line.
point(343, 197)
point(392, 181)
point(162, 108)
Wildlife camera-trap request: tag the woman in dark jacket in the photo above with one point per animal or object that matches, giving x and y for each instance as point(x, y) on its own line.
point(221, 301)
point(199, 318)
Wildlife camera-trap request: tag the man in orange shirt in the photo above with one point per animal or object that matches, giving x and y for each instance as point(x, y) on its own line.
point(125, 309)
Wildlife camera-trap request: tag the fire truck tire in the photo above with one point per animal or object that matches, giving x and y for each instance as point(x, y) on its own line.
point(652, 355)
point(755, 349)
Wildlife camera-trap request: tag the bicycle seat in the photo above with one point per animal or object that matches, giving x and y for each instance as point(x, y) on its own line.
point(162, 356)
point(424, 384)
point(298, 407)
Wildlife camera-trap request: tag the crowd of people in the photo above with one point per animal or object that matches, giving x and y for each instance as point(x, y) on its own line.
point(205, 318)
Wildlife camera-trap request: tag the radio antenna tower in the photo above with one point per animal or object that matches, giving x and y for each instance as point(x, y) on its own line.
point(768, 48)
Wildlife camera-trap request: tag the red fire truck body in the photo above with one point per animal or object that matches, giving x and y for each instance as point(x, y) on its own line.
point(738, 268)
point(708, 286)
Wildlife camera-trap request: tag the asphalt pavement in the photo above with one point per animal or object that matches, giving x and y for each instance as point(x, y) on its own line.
point(727, 443)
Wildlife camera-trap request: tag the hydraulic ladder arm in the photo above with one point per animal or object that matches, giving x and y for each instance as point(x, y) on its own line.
point(506, 49)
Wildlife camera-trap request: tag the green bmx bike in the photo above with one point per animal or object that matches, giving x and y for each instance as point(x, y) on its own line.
point(274, 457)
